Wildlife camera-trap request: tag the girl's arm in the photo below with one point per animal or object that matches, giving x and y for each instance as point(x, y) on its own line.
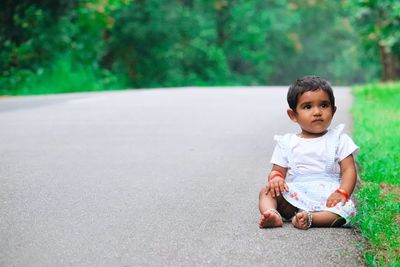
point(347, 184)
point(277, 168)
point(348, 173)
point(276, 184)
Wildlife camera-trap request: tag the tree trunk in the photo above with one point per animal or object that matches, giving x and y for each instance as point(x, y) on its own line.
point(188, 3)
point(7, 20)
point(222, 9)
point(390, 64)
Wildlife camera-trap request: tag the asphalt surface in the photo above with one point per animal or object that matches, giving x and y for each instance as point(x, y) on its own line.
point(162, 177)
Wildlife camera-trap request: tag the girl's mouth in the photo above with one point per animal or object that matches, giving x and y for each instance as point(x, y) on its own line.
point(318, 120)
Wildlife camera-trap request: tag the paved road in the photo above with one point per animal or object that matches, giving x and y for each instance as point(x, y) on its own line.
point(150, 178)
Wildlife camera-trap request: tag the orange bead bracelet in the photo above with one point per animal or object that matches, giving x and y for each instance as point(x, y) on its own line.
point(344, 193)
point(275, 175)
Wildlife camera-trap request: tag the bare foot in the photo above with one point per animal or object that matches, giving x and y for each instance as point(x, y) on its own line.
point(270, 218)
point(302, 220)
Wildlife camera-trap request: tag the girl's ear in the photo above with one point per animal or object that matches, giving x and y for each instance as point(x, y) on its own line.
point(292, 115)
point(333, 110)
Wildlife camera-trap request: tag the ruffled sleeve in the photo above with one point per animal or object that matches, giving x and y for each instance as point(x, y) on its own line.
point(346, 145)
point(337, 131)
point(279, 156)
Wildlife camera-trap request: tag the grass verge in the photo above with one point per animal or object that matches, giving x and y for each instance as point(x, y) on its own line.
point(62, 76)
point(376, 113)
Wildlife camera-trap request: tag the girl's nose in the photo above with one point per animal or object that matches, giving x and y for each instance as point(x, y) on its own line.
point(317, 111)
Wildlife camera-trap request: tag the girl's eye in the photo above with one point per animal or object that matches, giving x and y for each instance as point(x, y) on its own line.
point(325, 105)
point(307, 106)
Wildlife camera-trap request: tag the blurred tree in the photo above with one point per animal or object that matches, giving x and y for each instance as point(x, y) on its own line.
point(194, 42)
point(156, 43)
point(26, 34)
point(246, 40)
point(167, 43)
point(12, 12)
point(378, 22)
point(318, 39)
point(23, 23)
point(37, 34)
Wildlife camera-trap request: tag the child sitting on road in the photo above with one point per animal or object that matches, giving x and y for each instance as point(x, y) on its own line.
point(313, 172)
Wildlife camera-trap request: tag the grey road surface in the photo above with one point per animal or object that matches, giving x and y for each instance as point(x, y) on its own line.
point(162, 177)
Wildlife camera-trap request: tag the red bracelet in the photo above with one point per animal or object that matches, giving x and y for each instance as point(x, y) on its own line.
point(276, 174)
point(344, 193)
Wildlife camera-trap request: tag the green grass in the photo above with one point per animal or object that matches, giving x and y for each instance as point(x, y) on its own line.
point(62, 76)
point(376, 114)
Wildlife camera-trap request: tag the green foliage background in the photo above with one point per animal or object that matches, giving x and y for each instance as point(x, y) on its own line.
point(377, 131)
point(80, 45)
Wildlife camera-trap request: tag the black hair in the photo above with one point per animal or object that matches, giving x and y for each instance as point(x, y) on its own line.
point(305, 84)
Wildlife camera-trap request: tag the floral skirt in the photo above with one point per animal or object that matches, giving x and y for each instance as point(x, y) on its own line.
point(312, 194)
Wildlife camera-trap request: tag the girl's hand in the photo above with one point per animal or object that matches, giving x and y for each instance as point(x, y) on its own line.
point(334, 199)
point(277, 186)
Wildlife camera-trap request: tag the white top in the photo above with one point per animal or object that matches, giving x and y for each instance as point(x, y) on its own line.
point(313, 169)
point(310, 154)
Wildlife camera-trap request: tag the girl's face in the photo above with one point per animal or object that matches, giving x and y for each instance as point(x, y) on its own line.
point(314, 113)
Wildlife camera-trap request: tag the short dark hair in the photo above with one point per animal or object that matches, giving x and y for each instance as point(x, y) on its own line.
point(305, 84)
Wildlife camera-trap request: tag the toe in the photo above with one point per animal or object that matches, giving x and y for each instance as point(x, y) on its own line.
point(300, 218)
point(263, 220)
point(299, 221)
point(266, 215)
point(270, 219)
point(294, 220)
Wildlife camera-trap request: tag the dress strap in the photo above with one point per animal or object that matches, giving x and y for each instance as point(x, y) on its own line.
point(284, 142)
point(334, 138)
